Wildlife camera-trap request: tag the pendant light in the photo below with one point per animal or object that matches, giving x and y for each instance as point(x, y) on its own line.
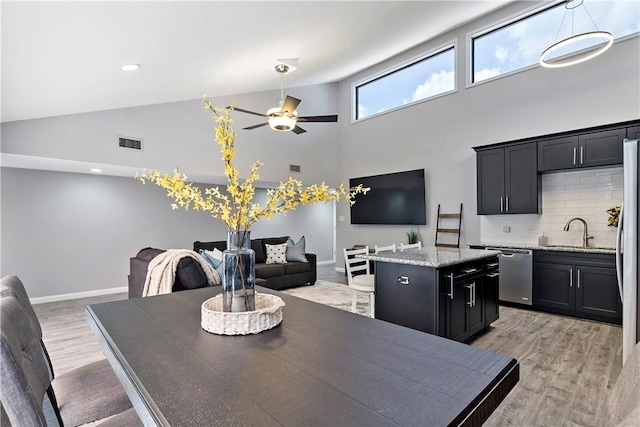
point(572, 5)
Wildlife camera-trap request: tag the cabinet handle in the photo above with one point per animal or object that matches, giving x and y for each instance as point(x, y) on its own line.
point(450, 295)
point(469, 270)
point(470, 302)
point(571, 278)
point(403, 280)
point(581, 155)
point(578, 278)
point(501, 204)
point(473, 288)
point(507, 204)
point(574, 156)
point(492, 275)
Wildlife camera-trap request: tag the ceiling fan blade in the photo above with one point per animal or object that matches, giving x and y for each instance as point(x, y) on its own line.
point(298, 130)
point(255, 126)
point(317, 119)
point(248, 112)
point(290, 104)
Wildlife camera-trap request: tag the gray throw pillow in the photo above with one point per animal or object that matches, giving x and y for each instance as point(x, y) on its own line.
point(296, 251)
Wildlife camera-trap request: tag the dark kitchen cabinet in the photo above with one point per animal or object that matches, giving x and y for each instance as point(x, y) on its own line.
point(577, 284)
point(602, 148)
point(507, 180)
point(633, 132)
point(471, 299)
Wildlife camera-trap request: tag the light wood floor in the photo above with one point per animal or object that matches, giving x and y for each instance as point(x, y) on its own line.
point(567, 365)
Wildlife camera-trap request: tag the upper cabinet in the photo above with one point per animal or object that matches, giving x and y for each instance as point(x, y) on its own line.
point(633, 132)
point(603, 148)
point(508, 180)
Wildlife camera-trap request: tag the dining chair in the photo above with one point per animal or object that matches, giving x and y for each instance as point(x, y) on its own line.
point(379, 249)
point(86, 394)
point(411, 246)
point(359, 283)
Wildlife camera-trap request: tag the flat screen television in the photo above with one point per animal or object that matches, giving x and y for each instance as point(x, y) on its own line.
point(394, 198)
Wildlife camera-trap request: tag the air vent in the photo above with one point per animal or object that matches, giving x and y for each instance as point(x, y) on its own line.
point(132, 143)
point(294, 168)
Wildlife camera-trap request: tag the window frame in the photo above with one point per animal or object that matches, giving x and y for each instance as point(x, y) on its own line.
point(452, 44)
point(505, 22)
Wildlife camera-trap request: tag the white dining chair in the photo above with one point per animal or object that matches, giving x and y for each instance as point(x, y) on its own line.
point(411, 246)
point(359, 283)
point(379, 249)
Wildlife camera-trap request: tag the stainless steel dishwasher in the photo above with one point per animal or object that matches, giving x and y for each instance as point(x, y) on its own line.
point(516, 275)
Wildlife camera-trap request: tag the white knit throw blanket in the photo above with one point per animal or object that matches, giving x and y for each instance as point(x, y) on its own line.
point(161, 273)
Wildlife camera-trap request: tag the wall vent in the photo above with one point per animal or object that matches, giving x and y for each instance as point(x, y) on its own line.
point(295, 168)
point(132, 143)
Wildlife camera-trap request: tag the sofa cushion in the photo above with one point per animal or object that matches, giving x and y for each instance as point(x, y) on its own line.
point(297, 267)
point(147, 254)
point(214, 258)
point(295, 251)
point(276, 253)
point(258, 248)
point(189, 275)
point(269, 270)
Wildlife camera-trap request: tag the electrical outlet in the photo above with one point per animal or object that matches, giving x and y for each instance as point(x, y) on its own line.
point(506, 229)
point(533, 229)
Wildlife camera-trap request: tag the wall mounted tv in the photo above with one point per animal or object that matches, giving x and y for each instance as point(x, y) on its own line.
point(395, 198)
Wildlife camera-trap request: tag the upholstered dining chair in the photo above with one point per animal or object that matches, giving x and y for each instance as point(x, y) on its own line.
point(411, 246)
point(86, 394)
point(379, 249)
point(359, 283)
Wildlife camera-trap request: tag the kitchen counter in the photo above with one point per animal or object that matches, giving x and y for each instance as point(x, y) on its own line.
point(536, 247)
point(431, 256)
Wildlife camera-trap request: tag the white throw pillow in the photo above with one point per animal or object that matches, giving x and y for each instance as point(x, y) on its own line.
point(215, 253)
point(276, 254)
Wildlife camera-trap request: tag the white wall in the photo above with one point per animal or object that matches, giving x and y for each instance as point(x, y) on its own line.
point(65, 233)
point(439, 134)
point(180, 134)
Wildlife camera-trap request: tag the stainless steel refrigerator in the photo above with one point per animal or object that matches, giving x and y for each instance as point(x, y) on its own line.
point(627, 250)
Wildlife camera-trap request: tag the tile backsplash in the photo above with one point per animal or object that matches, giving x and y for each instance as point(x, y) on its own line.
point(582, 193)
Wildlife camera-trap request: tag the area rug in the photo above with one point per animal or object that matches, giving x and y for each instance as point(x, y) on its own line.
point(332, 294)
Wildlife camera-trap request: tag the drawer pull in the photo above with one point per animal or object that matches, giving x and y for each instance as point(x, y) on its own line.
point(493, 264)
point(403, 280)
point(492, 275)
point(450, 295)
point(469, 270)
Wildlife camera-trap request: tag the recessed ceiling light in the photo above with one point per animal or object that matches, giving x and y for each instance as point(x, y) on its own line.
point(96, 170)
point(130, 67)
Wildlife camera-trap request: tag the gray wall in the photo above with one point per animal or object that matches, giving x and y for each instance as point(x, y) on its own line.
point(439, 134)
point(65, 233)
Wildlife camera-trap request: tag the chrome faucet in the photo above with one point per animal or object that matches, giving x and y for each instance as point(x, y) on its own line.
point(585, 235)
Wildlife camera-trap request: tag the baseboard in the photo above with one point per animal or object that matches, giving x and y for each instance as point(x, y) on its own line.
point(325, 262)
point(340, 270)
point(77, 295)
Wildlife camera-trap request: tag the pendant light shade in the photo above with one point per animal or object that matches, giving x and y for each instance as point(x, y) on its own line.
point(572, 59)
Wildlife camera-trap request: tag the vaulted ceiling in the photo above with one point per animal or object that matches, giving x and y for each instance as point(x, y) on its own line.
point(65, 57)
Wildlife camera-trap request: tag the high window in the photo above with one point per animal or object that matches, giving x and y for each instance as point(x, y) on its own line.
point(416, 81)
point(519, 43)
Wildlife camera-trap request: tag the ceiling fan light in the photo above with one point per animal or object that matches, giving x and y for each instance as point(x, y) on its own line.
point(282, 123)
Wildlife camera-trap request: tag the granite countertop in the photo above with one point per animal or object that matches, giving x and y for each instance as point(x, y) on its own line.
point(431, 257)
point(557, 248)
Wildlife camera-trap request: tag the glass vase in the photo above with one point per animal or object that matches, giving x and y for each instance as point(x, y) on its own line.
point(238, 264)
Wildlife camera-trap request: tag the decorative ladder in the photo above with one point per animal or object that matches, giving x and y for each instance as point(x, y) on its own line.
point(440, 230)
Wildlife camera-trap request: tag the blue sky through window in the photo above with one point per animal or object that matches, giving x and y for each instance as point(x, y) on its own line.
point(519, 45)
point(429, 77)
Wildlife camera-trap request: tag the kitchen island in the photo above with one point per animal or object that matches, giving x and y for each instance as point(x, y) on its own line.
point(451, 293)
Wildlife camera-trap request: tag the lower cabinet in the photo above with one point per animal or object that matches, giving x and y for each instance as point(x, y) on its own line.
point(455, 302)
point(470, 299)
point(577, 284)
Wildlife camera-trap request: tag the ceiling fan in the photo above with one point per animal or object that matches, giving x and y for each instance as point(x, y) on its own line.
point(285, 117)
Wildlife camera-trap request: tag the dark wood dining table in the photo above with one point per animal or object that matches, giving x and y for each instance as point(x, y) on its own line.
point(320, 367)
